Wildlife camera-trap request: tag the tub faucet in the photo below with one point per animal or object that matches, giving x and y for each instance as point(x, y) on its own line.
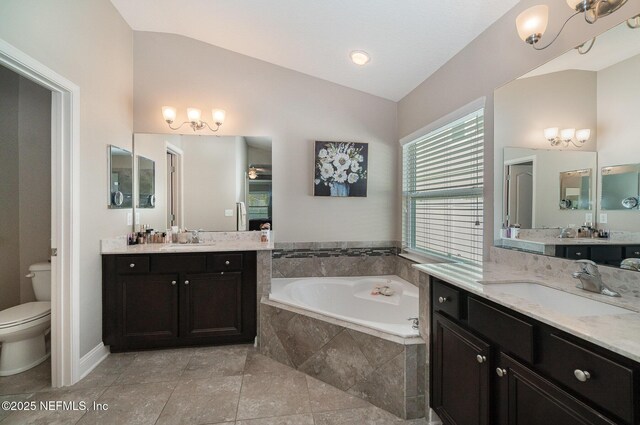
point(591, 280)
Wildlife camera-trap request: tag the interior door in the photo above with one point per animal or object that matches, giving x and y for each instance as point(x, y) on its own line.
point(520, 195)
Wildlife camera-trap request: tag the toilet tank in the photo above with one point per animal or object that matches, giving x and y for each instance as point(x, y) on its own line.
point(40, 274)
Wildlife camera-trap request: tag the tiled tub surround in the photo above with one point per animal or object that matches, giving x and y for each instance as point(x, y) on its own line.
point(385, 370)
point(341, 259)
point(617, 333)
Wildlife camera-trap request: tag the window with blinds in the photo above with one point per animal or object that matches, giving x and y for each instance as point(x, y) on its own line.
point(442, 190)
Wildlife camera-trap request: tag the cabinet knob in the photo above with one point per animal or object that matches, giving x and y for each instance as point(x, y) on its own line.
point(186, 282)
point(132, 265)
point(578, 254)
point(173, 282)
point(481, 359)
point(582, 375)
point(226, 262)
point(443, 300)
point(637, 252)
point(501, 372)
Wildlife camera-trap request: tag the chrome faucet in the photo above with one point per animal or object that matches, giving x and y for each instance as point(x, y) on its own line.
point(591, 280)
point(195, 236)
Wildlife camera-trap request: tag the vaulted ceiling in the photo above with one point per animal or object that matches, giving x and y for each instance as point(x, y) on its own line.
point(407, 40)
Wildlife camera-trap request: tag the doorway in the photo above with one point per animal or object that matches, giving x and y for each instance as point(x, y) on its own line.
point(519, 181)
point(65, 210)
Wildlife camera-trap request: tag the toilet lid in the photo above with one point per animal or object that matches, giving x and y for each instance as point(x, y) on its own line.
point(24, 313)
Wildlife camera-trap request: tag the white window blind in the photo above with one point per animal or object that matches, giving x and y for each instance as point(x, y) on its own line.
point(442, 190)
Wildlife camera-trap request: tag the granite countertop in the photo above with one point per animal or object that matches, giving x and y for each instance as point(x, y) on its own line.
point(574, 241)
point(619, 333)
point(162, 248)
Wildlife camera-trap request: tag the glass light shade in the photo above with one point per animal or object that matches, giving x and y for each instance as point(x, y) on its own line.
point(583, 135)
point(573, 4)
point(359, 57)
point(169, 113)
point(567, 133)
point(551, 133)
point(253, 174)
point(218, 115)
point(532, 22)
point(194, 114)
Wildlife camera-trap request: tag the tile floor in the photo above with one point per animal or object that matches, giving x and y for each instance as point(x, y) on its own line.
point(211, 385)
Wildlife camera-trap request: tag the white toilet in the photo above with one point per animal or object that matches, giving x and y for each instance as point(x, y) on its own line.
point(23, 327)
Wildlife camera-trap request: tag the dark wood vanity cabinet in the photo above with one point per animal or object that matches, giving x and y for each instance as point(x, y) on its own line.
point(491, 365)
point(167, 300)
point(460, 374)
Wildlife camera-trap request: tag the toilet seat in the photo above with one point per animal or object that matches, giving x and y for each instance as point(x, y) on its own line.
point(24, 313)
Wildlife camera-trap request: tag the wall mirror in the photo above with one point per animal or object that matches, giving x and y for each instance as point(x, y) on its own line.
point(546, 188)
point(620, 187)
point(146, 179)
point(575, 189)
point(213, 183)
point(120, 177)
point(563, 134)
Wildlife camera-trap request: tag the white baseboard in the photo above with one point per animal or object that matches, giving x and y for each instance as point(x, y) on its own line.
point(93, 358)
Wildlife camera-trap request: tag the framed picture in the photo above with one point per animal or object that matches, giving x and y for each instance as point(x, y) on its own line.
point(341, 169)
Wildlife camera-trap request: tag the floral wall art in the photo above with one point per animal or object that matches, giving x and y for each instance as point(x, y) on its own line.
point(341, 169)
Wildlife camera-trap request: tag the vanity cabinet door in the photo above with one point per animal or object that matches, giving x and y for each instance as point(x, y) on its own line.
point(460, 393)
point(526, 398)
point(149, 309)
point(212, 305)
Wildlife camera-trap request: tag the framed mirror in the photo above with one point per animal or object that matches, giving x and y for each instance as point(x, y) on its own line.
point(213, 183)
point(620, 187)
point(120, 177)
point(563, 134)
point(146, 182)
point(575, 189)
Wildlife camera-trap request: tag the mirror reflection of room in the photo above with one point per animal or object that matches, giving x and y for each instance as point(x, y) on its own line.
point(566, 136)
point(206, 183)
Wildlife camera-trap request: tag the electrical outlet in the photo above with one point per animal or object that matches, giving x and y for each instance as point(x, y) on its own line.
point(129, 219)
point(228, 213)
point(588, 218)
point(603, 218)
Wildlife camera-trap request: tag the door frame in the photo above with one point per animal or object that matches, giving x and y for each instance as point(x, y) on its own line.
point(65, 210)
point(179, 183)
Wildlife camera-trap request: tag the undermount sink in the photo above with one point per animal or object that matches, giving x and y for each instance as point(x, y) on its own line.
point(560, 301)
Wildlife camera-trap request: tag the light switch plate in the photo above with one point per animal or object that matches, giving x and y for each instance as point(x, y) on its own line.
point(588, 218)
point(228, 213)
point(603, 218)
point(137, 218)
point(129, 219)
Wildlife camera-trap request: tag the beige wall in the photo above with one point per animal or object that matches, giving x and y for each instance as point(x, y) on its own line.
point(9, 181)
point(25, 188)
point(522, 110)
point(494, 58)
point(619, 127)
point(294, 110)
point(35, 180)
point(90, 44)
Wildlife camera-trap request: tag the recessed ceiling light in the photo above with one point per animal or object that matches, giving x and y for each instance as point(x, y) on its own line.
point(360, 57)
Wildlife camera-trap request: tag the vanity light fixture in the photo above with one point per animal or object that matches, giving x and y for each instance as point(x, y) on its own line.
point(532, 23)
point(253, 173)
point(194, 116)
point(360, 57)
point(558, 137)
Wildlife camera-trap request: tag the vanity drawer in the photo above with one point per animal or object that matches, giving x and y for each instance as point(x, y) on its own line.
point(446, 300)
point(606, 253)
point(512, 334)
point(224, 262)
point(178, 263)
point(578, 252)
point(133, 264)
point(632, 251)
point(609, 385)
